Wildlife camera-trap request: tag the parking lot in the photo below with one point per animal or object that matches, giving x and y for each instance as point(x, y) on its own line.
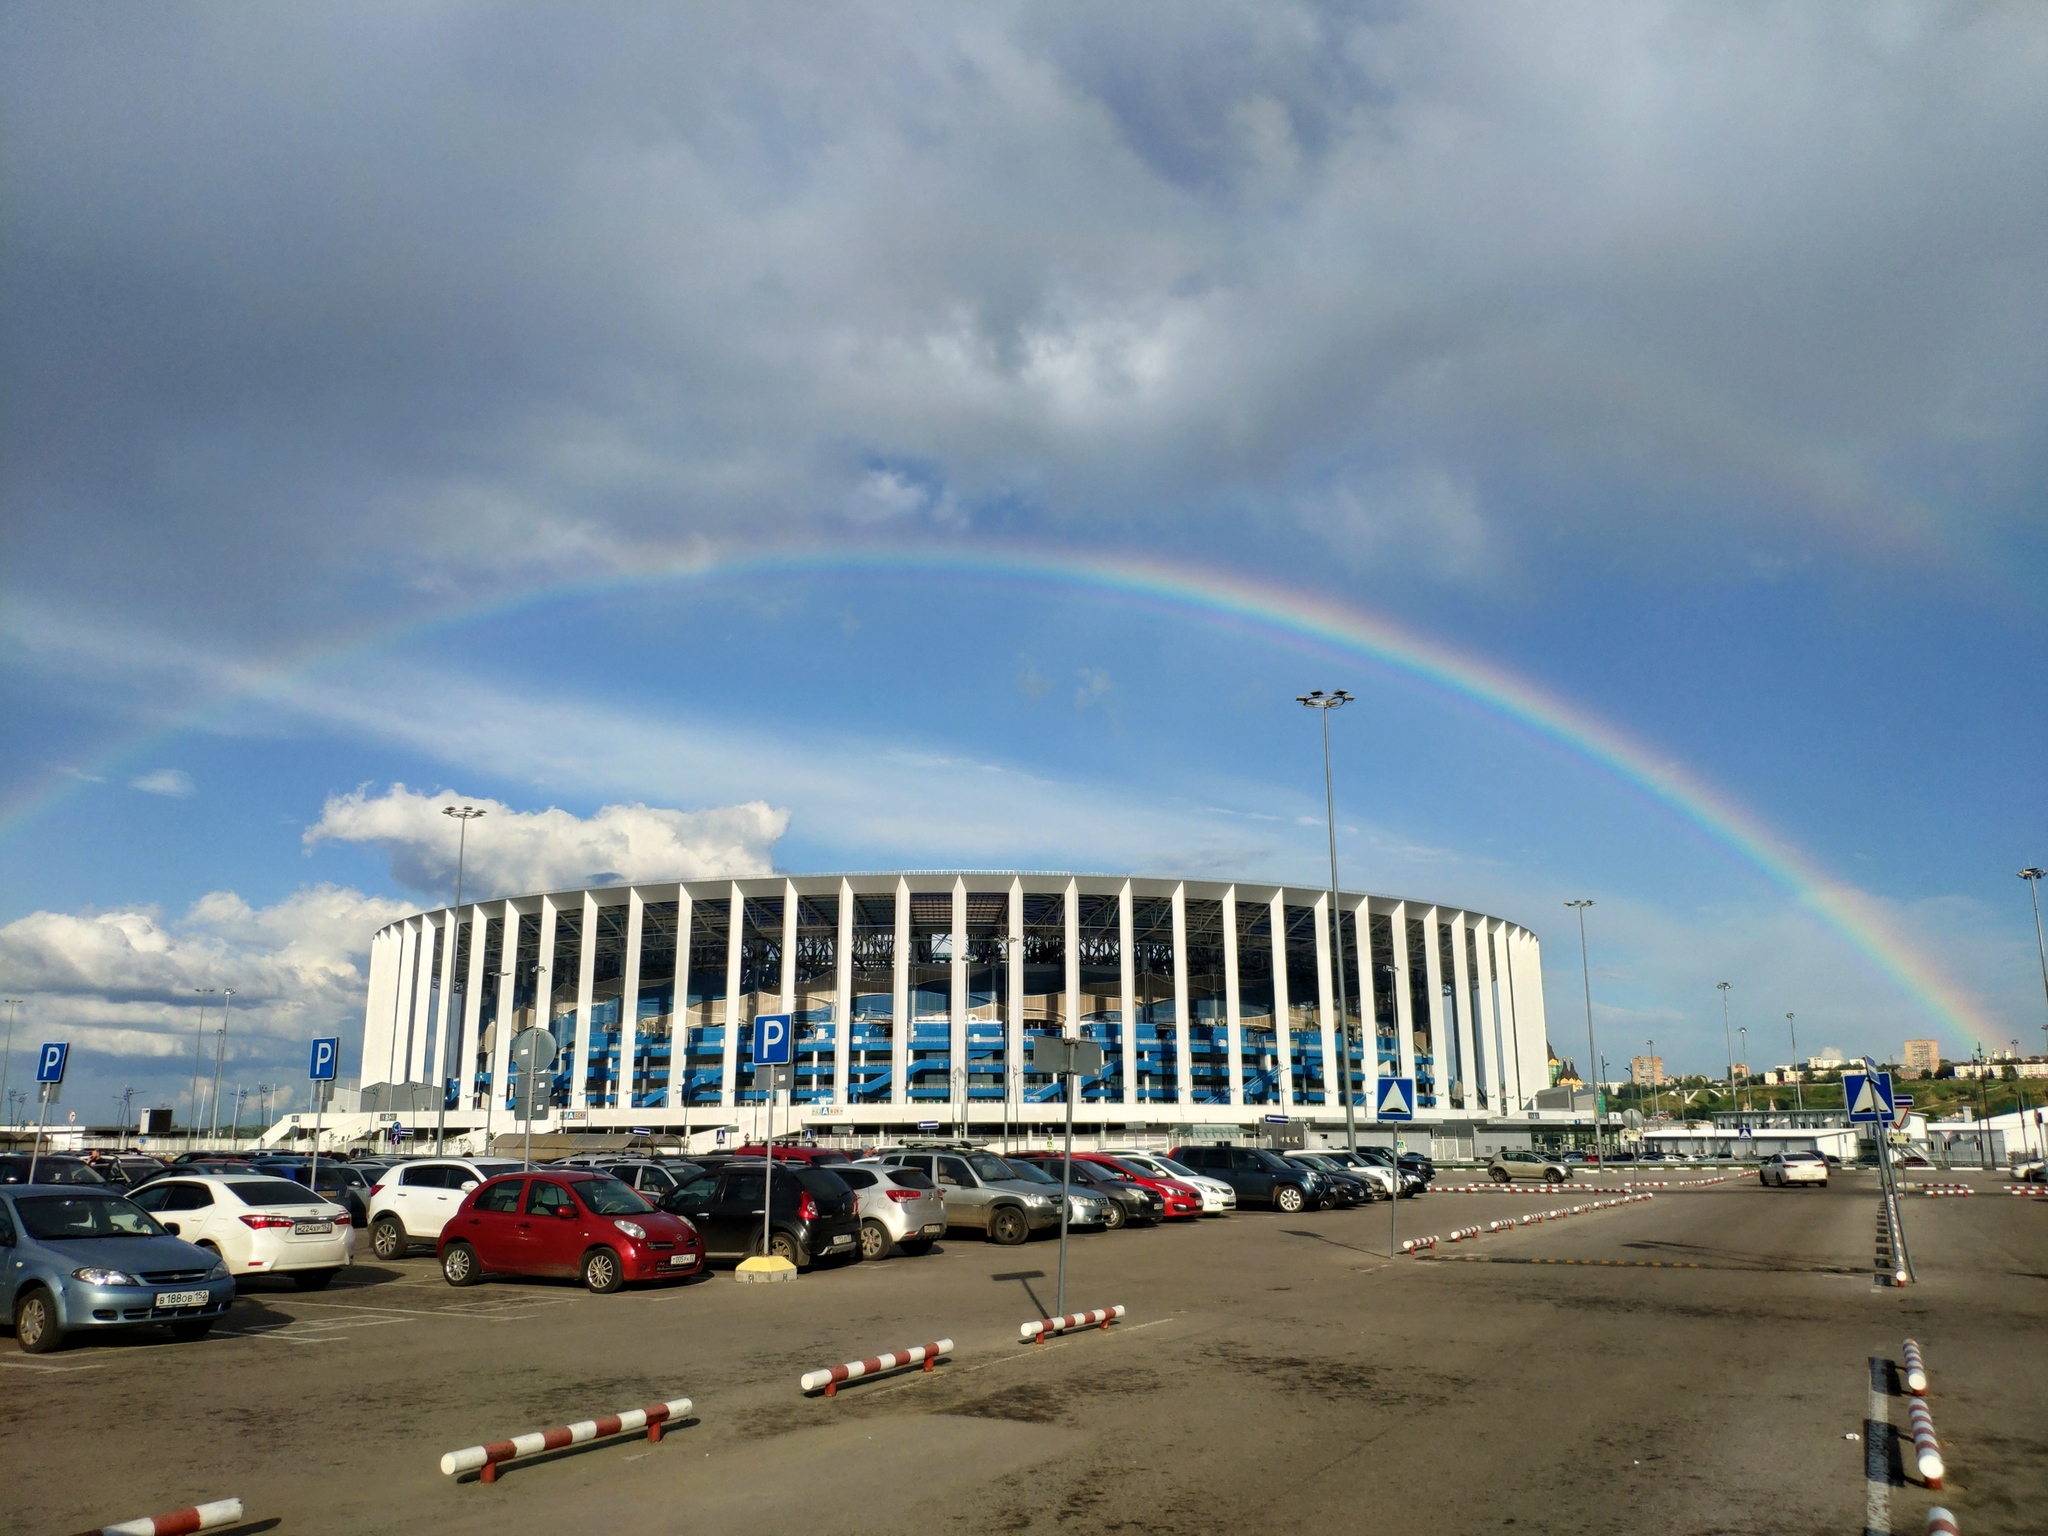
point(1697, 1368)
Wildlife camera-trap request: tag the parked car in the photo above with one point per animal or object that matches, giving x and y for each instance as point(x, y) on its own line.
point(1126, 1200)
point(1348, 1187)
point(796, 1153)
point(339, 1182)
point(1259, 1177)
point(14, 1167)
point(82, 1259)
point(569, 1221)
point(899, 1207)
point(1179, 1200)
point(1515, 1163)
point(814, 1215)
point(124, 1171)
point(984, 1192)
point(2030, 1171)
point(1218, 1198)
point(654, 1179)
point(1378, 1165)
point(1086, 1207)
point(411, 1202)
point(259, 1225)
point(1789, 1168)
point(220, 1166)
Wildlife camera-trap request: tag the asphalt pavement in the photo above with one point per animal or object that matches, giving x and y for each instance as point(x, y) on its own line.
point(1693, 1363)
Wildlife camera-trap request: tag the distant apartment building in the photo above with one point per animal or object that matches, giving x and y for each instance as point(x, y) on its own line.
point(1921, 1058)
point(1646, 1071)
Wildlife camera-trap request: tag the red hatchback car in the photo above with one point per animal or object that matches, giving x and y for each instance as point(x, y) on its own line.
point(1181, 1199)
point(573, 1221)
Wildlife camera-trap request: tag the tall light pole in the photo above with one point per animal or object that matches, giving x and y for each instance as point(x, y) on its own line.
point(1798, 1072)
point(1322, 703)
point(127, 1103)
point(2033, 878)
point(1592, 1051)
point(463, 816)
point(1728, 1039)
point(7, 1061)
point(1750, 1095)
point(227, 999)
point(198, 1059)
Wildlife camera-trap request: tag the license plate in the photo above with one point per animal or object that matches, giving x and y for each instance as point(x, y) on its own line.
point(841, 1241)
point(681, 1260)
point(182, 1298)
point(934, 1228)
point(312, 1228)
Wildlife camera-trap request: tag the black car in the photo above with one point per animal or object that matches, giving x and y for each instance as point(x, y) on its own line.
point(654, 1179)
point(1413, 1179)
point(1129, 1200)
point(1259, 1177)
point(50, 1169)
point(343, 1183)
point(815, 1215)
point(1347, 1188)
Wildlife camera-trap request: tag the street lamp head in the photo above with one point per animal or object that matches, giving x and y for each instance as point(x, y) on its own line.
point(1315, 698)
point(1721, 986)
point(465, 813)
point(1580, 904)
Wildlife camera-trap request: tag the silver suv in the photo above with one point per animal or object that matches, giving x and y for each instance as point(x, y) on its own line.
point(983, 1191)
point(899, 1207)
point(1507, 1166)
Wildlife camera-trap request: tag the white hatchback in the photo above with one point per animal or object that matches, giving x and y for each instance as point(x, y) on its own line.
point(1218, 1198)
point(411, 1202)
point(1789, 1168)
point(258, 1225)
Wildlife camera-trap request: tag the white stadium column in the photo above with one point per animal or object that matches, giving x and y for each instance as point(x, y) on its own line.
point(1128, 1030)
point(629, 995)
point(899, 1004)
point(422, 1000)
point(1404, 992)
point(958, 1084)
point(544, 985)
point(1368, 1008)
point(1532, 1028)
point(842, 1000)
point(728, 1072)
point(1013, 1031)
point(679, 1006)
point(444, 1004)
point(1473, 1050)
point(1073, 904)
point(586, 978)
point(1183, 1069)
point(1334, 1060)
point(788, 987)
point(507, 980)
point(399, 1058)
point(1489, 1016)
point(1433, 989)
point(472, 1006)
point(1233, 1031)
point(1283, 1020)
point(1506, 957)
point(376, 1009)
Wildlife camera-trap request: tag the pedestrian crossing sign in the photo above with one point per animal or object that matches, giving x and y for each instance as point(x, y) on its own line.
point(1396, 1099)
point(1869, 1096)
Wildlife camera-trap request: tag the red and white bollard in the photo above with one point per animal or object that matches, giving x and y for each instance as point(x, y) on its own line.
point(828, 1381)
point(1047, 1327)
point(1916, 1370)
point(485, 1459)
point(200, 1517)
point(1941, 1523)
point(1926, 1451)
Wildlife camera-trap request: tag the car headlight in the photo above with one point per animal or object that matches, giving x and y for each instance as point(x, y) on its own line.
point(632, 1229)
point(104, 1276)
point(1038, 1202)
point(220, 1270)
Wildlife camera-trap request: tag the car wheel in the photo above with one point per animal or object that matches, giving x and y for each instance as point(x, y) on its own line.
point(36, 1328)
point(1115, 1216)
point(387, 1238)
point(1499, 1175)
point(459, 1266)
point(1008, 1227)
point(874, 1240)
point(1287, 1199)
point(916, 1248)
point(601, 1272)
point(1552, 1176)
point(193, 1331)
point(313, 1279)
point(781, 1245)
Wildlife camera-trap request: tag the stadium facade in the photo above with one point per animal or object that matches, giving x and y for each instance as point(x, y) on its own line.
point(913, 996)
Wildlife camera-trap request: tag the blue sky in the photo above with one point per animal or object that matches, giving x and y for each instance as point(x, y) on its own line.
point(1686, 363)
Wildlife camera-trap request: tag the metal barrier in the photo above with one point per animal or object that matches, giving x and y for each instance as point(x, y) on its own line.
point(200, 1517)
point(1047, 1327)
point(486, 1459)
point(828, 1381)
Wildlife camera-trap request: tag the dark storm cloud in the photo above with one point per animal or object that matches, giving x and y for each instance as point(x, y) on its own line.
point(418, 298)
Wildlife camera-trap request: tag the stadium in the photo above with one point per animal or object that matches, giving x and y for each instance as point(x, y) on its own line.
point(913, 996)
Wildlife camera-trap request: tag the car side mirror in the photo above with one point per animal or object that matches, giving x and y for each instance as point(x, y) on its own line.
point(469, 1186)
point(172, 1228)
point(566, 1213)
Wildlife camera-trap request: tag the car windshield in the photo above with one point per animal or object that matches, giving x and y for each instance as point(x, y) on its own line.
point(273, 1192)
point(1132, 1170)
point(1030, 1173)
point(988, 1166)
point(610, 1197)
point(62, 1218)
point(1171, 1166)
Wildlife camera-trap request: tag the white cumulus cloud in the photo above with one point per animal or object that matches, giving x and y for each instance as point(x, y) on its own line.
point(173, 782)
point(511, 851)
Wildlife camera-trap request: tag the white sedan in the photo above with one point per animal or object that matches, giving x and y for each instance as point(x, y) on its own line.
point(1789, 1168)
point(1218, 1198)
point(259, 1225)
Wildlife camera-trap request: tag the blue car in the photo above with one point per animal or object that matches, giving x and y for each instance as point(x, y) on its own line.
point(78, 1258)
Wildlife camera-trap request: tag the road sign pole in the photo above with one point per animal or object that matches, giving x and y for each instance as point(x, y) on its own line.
point(42, 1118)
point(768, 1180)
point(1066, 1190)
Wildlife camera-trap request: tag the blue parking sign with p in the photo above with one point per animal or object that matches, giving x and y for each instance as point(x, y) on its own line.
point(50, 1065)
point(1396, 1099)
point(325, 1053)
point(771, 1039)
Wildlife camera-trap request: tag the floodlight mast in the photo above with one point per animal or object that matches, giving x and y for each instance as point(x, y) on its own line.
point(1323, 703)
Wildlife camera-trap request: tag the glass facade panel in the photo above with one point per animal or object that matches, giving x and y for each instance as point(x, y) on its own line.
point(487, 1014)
point(449, 1068)
point(1102, 993)
point(1479, 1084)
point(655, 1008)
point(869, 1069)
point(1386, 1018)
point(704, 1000)
point(760, 986)
point(561, 990)
point(1152, 977)
point(607, 1007)
point(988, 990)
point(527, 980)
point(1352, 1042)
point(1045, 985)
point(931, 996)
point(1304, 1007)
point(1454, 1036)
point(1258, 1050)
point(817, 986)
point(1208, 1004)
point(1419, 1016)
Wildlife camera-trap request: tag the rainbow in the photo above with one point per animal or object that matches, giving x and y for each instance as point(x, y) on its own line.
point(1272, 611)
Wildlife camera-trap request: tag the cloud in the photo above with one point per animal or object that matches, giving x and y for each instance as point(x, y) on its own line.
point(1097, 687)
point(513, 851)
point(175, 783)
